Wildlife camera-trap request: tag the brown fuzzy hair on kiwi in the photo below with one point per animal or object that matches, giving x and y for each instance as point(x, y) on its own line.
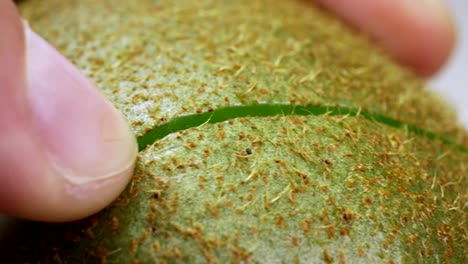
point(269, 132)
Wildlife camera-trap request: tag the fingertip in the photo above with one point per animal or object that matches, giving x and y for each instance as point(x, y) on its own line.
point(430, 36)
point(74, 201)
point(419, 34)
point(50, 197)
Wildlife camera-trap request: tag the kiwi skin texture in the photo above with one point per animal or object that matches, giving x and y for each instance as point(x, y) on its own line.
point(309, 189)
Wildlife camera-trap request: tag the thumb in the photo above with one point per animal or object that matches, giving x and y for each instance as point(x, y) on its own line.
point(65, 152)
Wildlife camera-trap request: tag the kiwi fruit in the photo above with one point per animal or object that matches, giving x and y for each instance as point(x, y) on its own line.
point(269, 132)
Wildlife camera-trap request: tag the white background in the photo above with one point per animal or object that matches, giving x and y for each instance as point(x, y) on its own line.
point(452, 82)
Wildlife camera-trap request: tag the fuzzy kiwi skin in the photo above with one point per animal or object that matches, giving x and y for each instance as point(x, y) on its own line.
point(314, 189)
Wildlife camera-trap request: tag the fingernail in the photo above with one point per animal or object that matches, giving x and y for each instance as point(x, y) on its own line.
point(432, 8)
point(436, 6)
point(442, 10)
point(435, 26)
point(84, 136)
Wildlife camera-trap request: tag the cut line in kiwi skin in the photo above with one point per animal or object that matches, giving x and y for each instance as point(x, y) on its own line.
point(265, 110)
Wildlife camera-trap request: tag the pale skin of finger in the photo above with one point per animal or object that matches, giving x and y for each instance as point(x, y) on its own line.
point(39, 114)
point(419, 34)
